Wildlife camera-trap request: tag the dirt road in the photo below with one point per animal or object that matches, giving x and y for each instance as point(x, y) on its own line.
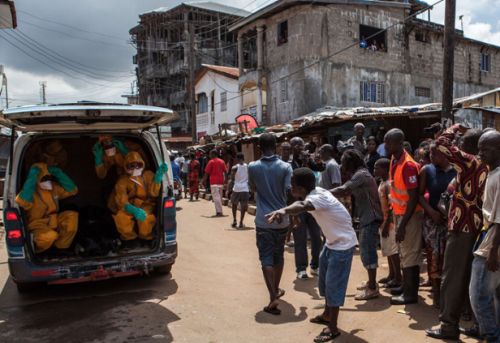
point(215, 294)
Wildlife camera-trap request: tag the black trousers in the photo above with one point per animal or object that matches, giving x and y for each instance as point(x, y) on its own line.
point(456, 278)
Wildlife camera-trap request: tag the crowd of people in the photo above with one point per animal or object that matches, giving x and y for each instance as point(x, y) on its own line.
point(440, 202)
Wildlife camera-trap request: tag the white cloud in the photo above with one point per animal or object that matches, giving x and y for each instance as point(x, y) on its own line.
point(24, 88)
point(480, 19)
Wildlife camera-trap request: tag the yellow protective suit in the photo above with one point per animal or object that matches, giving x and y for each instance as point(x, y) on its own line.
point(139, 191)
point(47, 225)
point(109, 161)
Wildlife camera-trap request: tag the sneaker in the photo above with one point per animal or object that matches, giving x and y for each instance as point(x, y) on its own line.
point(363, 285)
point(234, 224)
point(241, 226)
point(302, 275)
point(315, 271)
point(290, 244)
point(367, 294)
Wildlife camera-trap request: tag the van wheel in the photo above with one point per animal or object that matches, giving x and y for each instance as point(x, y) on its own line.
point(164, 270)
point(25, 287)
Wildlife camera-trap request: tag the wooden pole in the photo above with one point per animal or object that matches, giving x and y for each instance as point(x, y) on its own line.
point(448, 61)
point(191, 61)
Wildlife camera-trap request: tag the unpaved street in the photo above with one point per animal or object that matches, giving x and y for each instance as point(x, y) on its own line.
point(215, 294)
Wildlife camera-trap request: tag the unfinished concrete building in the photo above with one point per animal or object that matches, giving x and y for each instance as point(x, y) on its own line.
point(163, 52)
point(302, 55)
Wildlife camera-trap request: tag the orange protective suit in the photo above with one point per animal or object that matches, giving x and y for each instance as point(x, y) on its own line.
point(47, 225)
point(139, 191)
point(108, 161)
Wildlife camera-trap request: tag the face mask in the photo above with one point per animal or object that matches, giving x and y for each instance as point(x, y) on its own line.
point(46, 185)
point(135, 172)
point(110, 152)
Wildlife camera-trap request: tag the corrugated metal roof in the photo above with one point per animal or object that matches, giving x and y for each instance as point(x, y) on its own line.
point(206, 5)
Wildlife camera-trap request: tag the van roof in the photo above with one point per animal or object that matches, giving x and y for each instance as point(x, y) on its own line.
point(85, 116)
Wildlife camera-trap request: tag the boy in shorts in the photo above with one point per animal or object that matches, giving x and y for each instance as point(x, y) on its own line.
point(388, 243)
point(336, 257)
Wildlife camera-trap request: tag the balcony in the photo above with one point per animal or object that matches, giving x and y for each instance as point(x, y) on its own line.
point(177, 97)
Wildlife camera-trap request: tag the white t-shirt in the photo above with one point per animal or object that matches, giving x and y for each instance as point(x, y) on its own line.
point(241, 178)
point(180, 161)
point(185, 166)
point(334, 220)
point(491, 211)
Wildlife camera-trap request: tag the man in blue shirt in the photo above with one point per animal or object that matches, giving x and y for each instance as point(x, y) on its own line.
point(270, 179)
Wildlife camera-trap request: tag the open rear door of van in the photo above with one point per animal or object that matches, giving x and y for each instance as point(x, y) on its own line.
point(85, 116)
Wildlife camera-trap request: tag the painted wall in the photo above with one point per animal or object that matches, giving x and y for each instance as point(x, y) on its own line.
point(318, 32)
point(218, 84)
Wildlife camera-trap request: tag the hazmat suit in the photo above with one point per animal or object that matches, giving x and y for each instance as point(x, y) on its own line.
point(134, 198)
point(39, 197)
point(109, 152)
point(55, 155)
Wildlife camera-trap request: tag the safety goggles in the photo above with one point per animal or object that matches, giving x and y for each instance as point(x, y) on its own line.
point(107, 145)
point(47, 178)
point(135, 165)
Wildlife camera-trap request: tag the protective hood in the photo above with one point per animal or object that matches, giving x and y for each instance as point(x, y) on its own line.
point(133, 156)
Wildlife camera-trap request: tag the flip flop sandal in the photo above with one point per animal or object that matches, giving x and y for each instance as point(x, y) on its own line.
point(326, 336)
point(319, 320)
point(280, 293)
point(274, 311)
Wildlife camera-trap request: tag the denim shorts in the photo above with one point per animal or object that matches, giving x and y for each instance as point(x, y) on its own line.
point(368, 238)
point(334, 270)
point(271, 245)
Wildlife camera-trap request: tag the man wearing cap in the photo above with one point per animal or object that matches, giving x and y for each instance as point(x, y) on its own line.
point(358, 140)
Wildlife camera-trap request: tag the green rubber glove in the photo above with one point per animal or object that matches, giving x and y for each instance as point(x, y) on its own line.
point(162, 169)
point(98, 152)
point(62, 179)
point(120, 146)
point(137, 212)
point(30, 184)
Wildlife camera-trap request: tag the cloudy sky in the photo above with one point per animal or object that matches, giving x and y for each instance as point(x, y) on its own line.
point(80, 47)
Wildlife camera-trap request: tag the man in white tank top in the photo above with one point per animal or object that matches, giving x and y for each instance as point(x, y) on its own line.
point(240, 191)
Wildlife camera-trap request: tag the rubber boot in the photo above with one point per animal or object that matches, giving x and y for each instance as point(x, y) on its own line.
point(398, 290)
point(411, 282)
point(436, 286)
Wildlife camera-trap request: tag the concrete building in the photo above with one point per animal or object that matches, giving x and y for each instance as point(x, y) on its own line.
point(304, 55)
point(164, 51)
point(217, 98)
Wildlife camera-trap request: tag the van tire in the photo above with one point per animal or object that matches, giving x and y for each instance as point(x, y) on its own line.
point(164, 270)
point(25, 287)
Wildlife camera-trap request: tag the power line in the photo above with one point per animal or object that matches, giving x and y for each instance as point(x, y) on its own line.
point(56, 60)
point(69, 26)
point(48, 65)
point(77, 37)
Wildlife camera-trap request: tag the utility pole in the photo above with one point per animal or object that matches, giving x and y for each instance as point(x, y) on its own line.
point(448, 61)
point(191, 61)
point(43, 85)
point(4, 83)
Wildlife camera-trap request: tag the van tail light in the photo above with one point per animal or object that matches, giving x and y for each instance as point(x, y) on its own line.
point(169, 203)
point(13, 228)
point(169, 222)
point(11, 216)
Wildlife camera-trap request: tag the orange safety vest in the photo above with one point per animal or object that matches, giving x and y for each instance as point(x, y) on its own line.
point(399, 195)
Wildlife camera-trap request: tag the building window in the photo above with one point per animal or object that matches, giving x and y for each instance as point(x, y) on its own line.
point(371, 91)
point(422, 36)
point(423, 92)
point(485, 62)
point(283, 32)
point(202, 103)
point(371, 38)
point(284, 90)
point(223, 101)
